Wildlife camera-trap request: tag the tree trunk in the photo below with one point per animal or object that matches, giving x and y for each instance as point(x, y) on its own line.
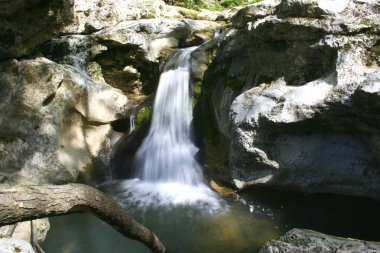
point(38, 201)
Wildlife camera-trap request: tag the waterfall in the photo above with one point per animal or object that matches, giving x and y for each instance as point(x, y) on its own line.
point(132, 122)
point(168, 154)
point(167, 173)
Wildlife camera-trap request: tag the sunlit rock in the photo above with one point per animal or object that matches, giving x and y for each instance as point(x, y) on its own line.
point(333, 5)
point(55, 126)
point(14, 245)
point(90, 16)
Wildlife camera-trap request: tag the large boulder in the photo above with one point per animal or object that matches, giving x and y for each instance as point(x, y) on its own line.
point(55, 125)
point(295, 88)
point(308, 241)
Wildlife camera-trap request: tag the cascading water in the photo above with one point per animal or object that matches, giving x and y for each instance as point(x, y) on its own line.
point(167, 153)
point(166, 170)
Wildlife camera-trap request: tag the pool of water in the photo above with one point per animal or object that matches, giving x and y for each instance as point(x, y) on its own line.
point(241, 224)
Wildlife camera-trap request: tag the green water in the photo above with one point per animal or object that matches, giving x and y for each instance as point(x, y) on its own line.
point(253, 218)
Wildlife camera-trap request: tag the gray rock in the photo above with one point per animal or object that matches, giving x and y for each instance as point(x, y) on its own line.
point(55, 126)
point(90, 16)
point(23, 231)
point(6, 231)
point(295, 89)
point(301, 8)
point(26, 24)
point(140, 45)
point(14, 245)
point(40, 229)
point(254, 12)
point(308, 241)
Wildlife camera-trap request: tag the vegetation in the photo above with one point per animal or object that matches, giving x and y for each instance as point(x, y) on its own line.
point(143, 114)
point(210, 4)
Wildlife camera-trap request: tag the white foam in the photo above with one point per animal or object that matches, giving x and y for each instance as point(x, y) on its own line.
point(145, 194)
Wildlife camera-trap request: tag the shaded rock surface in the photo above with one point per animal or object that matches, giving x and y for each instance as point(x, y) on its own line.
point(25, 24)
point(308, 241)
point(26, 233)
point(294, 87)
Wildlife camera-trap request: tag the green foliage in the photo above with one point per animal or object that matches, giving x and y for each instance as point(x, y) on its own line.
point(143, 114)
point(210, 4)
point(232, 3)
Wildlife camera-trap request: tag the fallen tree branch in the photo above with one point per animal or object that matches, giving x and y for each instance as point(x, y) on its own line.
point(38, 201)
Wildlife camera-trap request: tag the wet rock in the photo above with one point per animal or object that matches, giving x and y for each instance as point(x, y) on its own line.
point(308, 241)
point(56, 122)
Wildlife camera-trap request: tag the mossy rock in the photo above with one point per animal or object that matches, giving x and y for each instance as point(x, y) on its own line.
point(95, 71)
point(197, 90)
point(143, 115)
point(187, 13)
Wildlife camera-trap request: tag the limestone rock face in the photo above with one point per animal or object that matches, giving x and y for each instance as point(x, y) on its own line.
point(295, 88)
point(308, 241)
point(55, 121)
point(90, 16)
point(128, 55)
point(26, 24)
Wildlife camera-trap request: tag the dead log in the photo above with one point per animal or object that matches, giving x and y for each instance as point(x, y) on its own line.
point(39, 201)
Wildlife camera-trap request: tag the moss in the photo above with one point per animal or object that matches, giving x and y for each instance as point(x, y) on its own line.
point(365, 21)
point(149, 15)
point(347, 47)
point(143, 115)
point(376, 49)
point(188, 13)
point(95, 72)
point(373, 55)
point(197, 90)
